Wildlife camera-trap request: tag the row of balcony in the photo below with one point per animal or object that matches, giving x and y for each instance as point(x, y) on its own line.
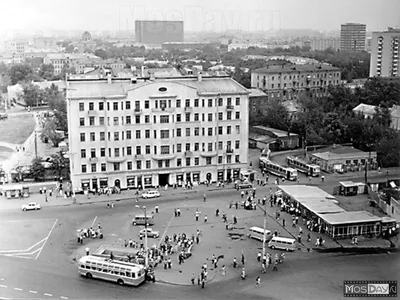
point(163, 156)
point(138, 111)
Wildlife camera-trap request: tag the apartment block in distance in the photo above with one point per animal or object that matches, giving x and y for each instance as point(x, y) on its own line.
point(385, 53)
point(326, 43)
point(287, 82)
point(152, 132)
point(158, 32)
point(352, 37)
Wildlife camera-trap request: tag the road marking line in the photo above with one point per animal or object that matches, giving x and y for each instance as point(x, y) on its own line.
point(17, 289)
point(22, 254)
point(50, 295)
point(19, 251)
point(165, 232)
point(33, 292)
point(51, 230)
point(94, 221)
point(62, 297)
point(4, 286)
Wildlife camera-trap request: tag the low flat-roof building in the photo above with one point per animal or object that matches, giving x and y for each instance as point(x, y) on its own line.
point(341, 159)
point(274, 139)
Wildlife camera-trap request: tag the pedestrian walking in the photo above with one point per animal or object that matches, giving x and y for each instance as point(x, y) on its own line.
point(205, 218)
point(308, 237)
point(243, 260)
point(258, 282)
point(204, 198)
point(156, 208)
point(193, 278)
point(223, 270)
point(259, 256)
point(283, 222)
point(275, 266)
point(234, 262)
point(87, 249)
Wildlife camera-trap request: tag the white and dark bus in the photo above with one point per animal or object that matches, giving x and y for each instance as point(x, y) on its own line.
point(308, 169)
point(281, 171)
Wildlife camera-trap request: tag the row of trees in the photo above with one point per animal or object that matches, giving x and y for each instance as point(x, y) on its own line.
point(59, 167)
point(331, 120)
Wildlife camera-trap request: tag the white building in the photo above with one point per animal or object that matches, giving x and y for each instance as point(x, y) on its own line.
point(135, 132)
point(67, 60)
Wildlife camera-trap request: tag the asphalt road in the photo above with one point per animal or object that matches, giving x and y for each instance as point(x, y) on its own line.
point(53, 275)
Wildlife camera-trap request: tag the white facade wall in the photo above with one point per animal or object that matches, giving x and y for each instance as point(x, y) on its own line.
point(207, 155)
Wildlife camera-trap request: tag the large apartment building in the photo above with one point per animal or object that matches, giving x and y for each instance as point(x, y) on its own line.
point(136, 132)
point(385, 53)
point(352, 37)
point(287, 82)
point(325, 43)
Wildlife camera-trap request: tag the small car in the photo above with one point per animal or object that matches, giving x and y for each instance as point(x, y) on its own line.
point(31, 206)
point(245, 185)
point(150, 233)
point(151, 194)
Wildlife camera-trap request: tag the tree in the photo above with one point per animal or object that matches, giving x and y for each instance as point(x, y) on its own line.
point(58, 104)
point(19, 73)
point(46, 71)
point(32, 95)
point(60, 164)
point(49, 132)
point(388, 149)
point(37, 169)
point(101, 53)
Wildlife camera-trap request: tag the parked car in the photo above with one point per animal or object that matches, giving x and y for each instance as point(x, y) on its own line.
point(3, 116)
point(31, 206)
point(150, 233)
point(151, 194)
point(245, 185)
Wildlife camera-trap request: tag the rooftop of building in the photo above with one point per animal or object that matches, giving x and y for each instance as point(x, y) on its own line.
point(71, 56)
point(256, 93)
point(277, 132)
point(365, 109)
point(291, 68)
point(162, 72)
point(350, 217)
point(340, 152)
point(187, 43)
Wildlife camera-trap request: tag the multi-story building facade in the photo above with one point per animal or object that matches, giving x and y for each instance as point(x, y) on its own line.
point(158, 32)
point(135, 132)
point(15, 46)
point(67, 60)
point(352, 37)
point(287, 82)
point(385, 53)
point(323, 44)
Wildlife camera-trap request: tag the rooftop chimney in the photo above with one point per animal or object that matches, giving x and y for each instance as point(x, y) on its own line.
point(109, 80)
point(200, 77)
point(152, 76)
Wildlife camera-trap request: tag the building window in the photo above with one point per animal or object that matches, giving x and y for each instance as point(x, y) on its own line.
point(91, 106)
point(210, 101)
point(178, 118)
point(196, 146)
point(137, 119)
point(187, 147)
point(147, 119)
point(237, 101)
point(116, 166)
point(116, 121)
point(101, 105)
point(138, 165)
point(102, 152)
point(101, 121)
point(229, 159)
point(129, 165)
point(165, 134)
point(237, 159)
point(147, 134)
point(179, 162)
point(138, 134)
point(83, 153)
point(237, 128)
point(167, 164)
point(196, 102)
point(187, 131)
point(147, 104)
point(115, 105)
point(178, 148)
point(237, 115)
point(116, 136)
point(220, 101)
point(220, 116)
point(92, 153)
point(129, 150)
point(128, 134)
point(210, 130)
point(196, 117)
point(81, 106)
point(196, 131)
point(228, 130)
point(155, 134)
point(187, 117)
point(147, 149)
point(160, 164)
point(210, 147)
point(138, 150)
point(188, 161)
point(229, 115)
point(237, 144)
point(208, 160)
point(83, 169)
point(93, 168)
point(116, 152)
point(81, 121)
point(196, 161)
point(92, 137)
point(102, 136)
point(148, 164)
point(220, 130)
point(210, 117)
point(128, 120)
point(127, 104)
point(178, 132)
point(103, 167)
point(187, 103)
point(178, 103)
point(164, 149)
point(164, 119)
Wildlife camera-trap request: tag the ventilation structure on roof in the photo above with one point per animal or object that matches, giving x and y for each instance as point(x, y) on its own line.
point(162, 89)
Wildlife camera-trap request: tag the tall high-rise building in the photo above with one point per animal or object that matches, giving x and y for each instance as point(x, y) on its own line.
point(385, 53)
point(352, 37)
point(158, 32)
point(136, 132)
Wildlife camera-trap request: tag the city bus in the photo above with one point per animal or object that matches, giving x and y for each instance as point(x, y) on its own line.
point(123, 273)
point(281, 171)
point(309, 169)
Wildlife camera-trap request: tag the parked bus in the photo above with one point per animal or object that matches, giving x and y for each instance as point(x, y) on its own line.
point(281, 171)
point(123, 273)
point(309, 169)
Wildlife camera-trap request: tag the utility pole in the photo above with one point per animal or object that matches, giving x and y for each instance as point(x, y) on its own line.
point(36, 150)
point(265, 228)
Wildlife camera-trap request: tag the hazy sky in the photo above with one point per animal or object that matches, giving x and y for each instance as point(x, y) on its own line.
point(198, 15)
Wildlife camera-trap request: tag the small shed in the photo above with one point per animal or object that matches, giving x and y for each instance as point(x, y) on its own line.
point(350, 188)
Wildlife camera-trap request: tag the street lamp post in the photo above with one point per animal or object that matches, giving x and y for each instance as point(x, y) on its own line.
point(265, 227)
point(146, 257)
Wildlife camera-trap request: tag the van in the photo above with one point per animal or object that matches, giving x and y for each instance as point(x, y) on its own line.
point(283, 243)
point(142, 220)
point(257, 233)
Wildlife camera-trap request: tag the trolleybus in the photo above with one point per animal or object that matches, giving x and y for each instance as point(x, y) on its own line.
point(309, 169)
point(281, 171)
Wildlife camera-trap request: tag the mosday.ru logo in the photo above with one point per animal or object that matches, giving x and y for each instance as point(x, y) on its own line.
point(378, 289)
